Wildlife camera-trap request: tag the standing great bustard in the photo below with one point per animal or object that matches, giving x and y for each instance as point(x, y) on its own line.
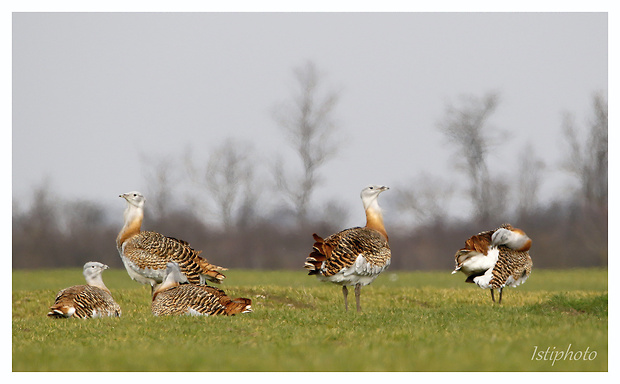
point(495, 259)
point(175, 296)
point(354, 256)
point(86, 301)
point(145, 253)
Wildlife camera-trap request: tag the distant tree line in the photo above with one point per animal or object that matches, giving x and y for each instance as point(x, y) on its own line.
point(251, 232)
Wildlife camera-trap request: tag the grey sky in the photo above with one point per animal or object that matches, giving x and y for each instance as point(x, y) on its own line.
point(94, 91)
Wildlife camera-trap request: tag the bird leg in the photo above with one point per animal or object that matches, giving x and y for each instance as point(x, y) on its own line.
point(345, 292)
point(358, 289)
point(500, 295)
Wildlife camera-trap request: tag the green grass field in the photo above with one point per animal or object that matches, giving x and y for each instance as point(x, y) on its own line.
point(411, 321)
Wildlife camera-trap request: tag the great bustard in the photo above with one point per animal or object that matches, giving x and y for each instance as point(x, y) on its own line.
point(86, 301)
point(146, 253)
point(495, 259)
point(354, 256)
point(175, 296)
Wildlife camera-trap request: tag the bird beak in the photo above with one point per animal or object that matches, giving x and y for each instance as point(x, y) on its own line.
point(384, 188)
point(105, 267)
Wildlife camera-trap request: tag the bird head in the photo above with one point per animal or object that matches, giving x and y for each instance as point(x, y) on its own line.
point(370, 194)
point(134, 198)
point(93, 269)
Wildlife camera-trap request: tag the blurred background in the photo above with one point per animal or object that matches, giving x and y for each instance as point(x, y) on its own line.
point(247, 132)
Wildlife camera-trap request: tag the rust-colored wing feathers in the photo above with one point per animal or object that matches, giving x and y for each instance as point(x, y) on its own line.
point(480, 242)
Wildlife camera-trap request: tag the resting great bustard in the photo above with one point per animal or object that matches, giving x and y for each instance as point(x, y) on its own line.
point(146, 253)
point(86, 301)
point(175, 296)
point(354, 256)
point(495, 259)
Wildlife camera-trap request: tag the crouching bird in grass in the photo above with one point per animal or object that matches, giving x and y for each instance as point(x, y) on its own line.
point(496, 259)
point(354, 256)
point(146, 253)
point(176, 296)
point(86, 301)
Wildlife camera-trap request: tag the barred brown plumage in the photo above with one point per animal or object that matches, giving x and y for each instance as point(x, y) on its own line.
point(86, 301)
point(495, 259)
point(174, 298)
point(510, 264)
point(345, 246)
point(354, 256)
point(146, 253)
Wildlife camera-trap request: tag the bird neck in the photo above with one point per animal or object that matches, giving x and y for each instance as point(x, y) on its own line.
point(97, 281)
point(169, 282)
point(374, 218)
point(133, 221)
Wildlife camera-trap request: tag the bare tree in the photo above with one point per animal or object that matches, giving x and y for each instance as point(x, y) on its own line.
point(335, 215)
point(309, 126)
point(426, 199)
point(229, 181)
point(528, 180)
point(466, 126)
point(587, 158)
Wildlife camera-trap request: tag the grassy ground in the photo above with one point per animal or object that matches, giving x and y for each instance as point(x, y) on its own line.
point(411, 321)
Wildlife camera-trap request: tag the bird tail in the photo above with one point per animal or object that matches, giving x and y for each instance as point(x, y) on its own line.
point(238, 305)
point(61, 311)
point(210, 271)
point(319, 254)
point(214, 276)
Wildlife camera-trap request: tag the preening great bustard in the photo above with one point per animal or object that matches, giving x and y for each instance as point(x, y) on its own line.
point(495, 259)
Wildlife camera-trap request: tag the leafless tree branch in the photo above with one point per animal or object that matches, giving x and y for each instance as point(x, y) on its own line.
point(307, 121)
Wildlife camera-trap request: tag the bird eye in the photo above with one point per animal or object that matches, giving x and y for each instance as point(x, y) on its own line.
point(135, 194)
point(372, 187)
